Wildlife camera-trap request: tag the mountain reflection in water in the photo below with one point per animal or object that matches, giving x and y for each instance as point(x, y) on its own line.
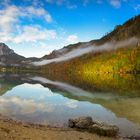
point(39, 100)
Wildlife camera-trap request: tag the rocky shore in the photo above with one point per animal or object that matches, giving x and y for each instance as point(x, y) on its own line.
point(17, 130)
point(100, 128)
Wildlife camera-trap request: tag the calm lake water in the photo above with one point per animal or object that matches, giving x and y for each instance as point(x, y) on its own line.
point(37, 99)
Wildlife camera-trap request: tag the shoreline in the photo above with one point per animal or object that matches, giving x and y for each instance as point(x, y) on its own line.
point(18, 130)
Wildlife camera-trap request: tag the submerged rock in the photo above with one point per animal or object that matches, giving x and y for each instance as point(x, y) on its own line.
point(88, 124)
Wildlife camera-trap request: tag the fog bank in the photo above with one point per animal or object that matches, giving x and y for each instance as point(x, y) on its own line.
point(92, 48)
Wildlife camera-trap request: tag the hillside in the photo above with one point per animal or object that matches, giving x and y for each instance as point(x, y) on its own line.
point(128, 30)
point(118, 51)
point(106, 69)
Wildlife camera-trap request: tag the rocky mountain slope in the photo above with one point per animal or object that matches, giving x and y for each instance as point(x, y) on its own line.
point(4, 50)
point(9, 57)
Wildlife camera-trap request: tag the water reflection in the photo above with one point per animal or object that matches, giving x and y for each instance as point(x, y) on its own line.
point(39, 100)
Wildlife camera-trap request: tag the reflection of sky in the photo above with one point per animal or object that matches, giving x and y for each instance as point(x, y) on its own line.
point(35, 103)
point(28, 91)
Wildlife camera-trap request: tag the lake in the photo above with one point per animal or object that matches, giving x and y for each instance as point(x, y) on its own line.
point(37, 99)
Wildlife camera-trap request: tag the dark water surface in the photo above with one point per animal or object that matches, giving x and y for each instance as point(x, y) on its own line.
point(39, 100)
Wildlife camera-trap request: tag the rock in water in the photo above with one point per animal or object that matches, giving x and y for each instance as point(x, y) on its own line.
point(81, 122)
point(86, 123)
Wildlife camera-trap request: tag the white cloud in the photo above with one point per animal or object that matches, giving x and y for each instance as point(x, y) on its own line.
point(41, 12)
point(72, 39)
point(34, 34)
point(115, 3)
point(72, 104)
point(9, 17)
point(137, 7)
point(67, 3)
point(12, 30)
point(16, 105)
point(85, 2)
point(29, 34)
point(74, 4)
point(37, 3)
point(58, 2)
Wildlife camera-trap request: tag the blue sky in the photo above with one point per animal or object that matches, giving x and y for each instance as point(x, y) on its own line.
point(37, 27)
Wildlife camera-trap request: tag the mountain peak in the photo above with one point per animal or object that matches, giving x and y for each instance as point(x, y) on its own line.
point(5, 50)
point(8, 56)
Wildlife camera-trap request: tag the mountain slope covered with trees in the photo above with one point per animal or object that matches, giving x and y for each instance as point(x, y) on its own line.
point(110, 69)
